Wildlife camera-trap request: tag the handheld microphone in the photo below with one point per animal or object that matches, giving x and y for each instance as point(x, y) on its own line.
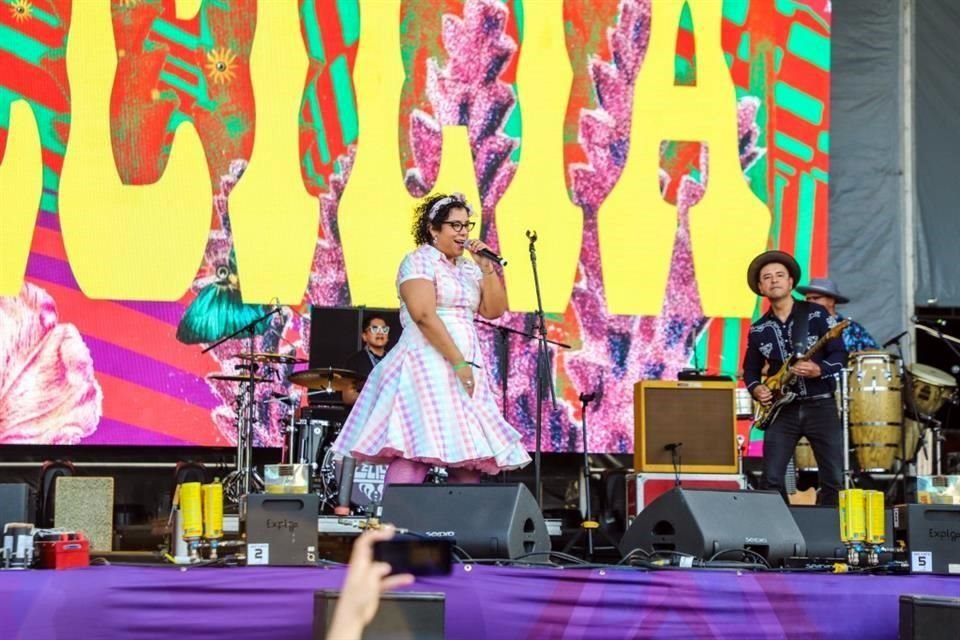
point(672, 446)
point(490, 255)
point(894, 340)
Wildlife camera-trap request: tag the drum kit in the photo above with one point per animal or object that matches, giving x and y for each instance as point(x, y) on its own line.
point(310, 430)
point(887, 411)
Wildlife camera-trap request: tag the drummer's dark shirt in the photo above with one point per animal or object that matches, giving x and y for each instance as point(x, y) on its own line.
point(362, 362)
point(769, 341)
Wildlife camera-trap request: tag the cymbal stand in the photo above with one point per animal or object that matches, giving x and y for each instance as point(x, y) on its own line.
point(244, 478)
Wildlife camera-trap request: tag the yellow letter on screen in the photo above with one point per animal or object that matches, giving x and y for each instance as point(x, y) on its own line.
point(125, 242)
point(729, 226)
point(21, 181)
point(274, 218)
point(376, 211)
point(537, 197)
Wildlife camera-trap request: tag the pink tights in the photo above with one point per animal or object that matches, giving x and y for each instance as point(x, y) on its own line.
point(402, 471)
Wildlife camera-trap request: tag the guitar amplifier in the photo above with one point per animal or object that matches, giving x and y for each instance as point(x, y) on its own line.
point(699, 416)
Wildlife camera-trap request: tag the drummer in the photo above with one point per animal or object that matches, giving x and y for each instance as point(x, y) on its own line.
point(824, 292)
point(376, 333)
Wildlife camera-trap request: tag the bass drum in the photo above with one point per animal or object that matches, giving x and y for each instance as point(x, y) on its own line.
point(876, 408)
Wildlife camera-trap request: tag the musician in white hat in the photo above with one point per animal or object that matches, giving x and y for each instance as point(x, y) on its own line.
point(823, 291)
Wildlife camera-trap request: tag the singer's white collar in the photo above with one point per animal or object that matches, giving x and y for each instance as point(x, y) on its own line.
point(440, 255)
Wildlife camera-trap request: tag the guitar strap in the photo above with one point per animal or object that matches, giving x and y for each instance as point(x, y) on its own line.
point(800, 328)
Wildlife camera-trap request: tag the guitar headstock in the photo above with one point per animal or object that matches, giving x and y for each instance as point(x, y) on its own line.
point(836, 329)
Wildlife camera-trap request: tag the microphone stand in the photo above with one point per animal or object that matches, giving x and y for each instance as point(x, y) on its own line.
point(588, 525)
point(543, 369)
point(675, 462)
point(239, 482)
point(504, 333)
point(901, 474)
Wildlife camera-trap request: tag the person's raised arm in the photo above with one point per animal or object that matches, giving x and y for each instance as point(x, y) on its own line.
point(362, 586)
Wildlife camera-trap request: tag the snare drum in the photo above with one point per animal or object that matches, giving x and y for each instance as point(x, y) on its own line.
point(311, 438)
point(876, 412)
point(931, 388)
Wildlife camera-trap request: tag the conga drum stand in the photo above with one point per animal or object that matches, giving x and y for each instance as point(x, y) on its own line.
point(845, 424)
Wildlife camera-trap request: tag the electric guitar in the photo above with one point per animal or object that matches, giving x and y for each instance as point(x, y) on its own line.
point(778, 382)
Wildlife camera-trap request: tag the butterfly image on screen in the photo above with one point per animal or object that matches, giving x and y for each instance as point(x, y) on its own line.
point(218, 310)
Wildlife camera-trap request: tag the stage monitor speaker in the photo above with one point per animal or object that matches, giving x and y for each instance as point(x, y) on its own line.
point(705, 522)
point(86, 504)
point(335, 333)
point(700, 415)
point(820, 527)
point(400, 616)
point(485, 520)
point(928, 617)
point(16, 504)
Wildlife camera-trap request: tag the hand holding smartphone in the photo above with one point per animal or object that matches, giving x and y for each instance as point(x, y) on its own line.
point(416, 556)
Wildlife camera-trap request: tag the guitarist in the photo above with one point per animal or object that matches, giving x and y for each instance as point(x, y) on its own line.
point(788, 329)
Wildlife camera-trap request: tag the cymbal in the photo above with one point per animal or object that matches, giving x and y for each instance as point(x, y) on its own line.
point(232, 377)
point(325, 379)
point(273, 358)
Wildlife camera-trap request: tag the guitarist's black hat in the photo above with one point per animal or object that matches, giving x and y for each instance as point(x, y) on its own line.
point(769, 257)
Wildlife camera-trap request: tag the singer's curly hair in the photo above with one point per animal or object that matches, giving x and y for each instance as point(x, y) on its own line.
point(422, 223)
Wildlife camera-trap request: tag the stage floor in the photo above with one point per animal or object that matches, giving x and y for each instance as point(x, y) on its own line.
point(482, 602)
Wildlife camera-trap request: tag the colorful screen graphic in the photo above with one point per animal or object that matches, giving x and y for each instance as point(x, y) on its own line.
point(282, 146)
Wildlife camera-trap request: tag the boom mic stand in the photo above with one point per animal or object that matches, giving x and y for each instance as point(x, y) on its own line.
point(543, 368)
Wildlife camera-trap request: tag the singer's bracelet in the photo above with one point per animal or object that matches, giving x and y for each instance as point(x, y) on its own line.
point(461, 365)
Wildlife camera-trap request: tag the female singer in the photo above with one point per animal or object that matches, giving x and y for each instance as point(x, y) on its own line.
point(429, 402)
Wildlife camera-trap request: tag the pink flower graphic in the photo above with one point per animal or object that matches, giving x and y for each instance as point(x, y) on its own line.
point(48, 393)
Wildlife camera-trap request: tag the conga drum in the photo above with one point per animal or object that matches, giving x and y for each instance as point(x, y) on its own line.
point(803, 456)
point(876, 408)
point(931, 388)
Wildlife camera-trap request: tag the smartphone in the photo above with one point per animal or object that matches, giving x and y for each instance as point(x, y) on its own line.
point(415, 555)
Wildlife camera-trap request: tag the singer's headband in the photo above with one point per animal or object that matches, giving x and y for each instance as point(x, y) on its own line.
point(457, 198)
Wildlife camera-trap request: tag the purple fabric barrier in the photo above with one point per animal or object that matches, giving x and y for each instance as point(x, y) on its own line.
point(487, 602)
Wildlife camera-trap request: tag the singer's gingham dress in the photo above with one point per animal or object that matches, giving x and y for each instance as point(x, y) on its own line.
point(413, 406)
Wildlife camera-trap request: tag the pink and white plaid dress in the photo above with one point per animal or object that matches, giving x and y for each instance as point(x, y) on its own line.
point(413, 406)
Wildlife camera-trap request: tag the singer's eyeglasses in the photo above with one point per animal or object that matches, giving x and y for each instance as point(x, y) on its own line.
point(459, 226)
point(375, 330)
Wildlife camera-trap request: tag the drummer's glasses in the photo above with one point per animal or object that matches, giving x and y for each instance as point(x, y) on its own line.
point(460, 226)
point(382, 330)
